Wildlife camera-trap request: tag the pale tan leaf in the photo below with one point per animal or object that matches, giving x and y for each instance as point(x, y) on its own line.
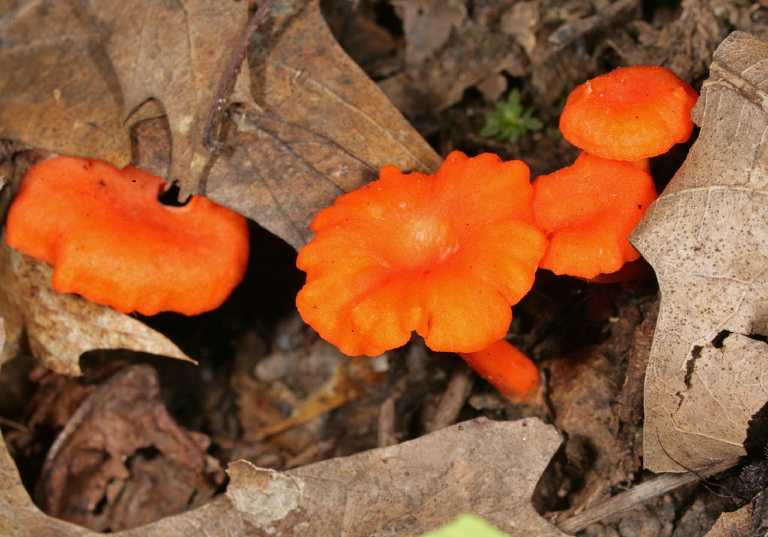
point(707, 238)
point(59, 327)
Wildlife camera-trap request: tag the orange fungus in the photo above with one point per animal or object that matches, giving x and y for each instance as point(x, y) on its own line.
point(114, 243)
point(587, 211)
point(631, 113)
point(444, 255)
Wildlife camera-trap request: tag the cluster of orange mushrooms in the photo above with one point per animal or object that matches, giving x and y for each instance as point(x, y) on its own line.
point(444, 255)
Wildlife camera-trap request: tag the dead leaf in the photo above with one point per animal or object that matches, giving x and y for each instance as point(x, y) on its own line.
point(122, 461)
point(707, 239)
point(427, 26)
point(482, 467)
point(325, 129)
point(175, 52)
point(749, 521)
point(59, 327)
point(63, 96)
point(468, 55)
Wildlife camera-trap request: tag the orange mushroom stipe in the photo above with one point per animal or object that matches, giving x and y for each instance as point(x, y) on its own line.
point(631, 113)
point(587, 211)
point(506, 368)
point(114, 243)
point(444, 255)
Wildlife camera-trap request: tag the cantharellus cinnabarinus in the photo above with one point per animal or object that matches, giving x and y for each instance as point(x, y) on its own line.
point(587, 211)
point(444, 255)
point(113, 242)
point(631, 113)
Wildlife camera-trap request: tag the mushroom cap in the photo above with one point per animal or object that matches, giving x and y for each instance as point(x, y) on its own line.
point(444, 255)
point(111, 240)
point(630, 113)
point(587, 211)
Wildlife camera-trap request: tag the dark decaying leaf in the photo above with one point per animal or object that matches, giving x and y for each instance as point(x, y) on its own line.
point(122, 461)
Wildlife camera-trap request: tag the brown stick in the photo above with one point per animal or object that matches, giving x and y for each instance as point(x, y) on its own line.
point(227, 82)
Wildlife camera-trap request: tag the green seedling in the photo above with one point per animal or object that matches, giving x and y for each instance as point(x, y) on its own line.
point(467, 526)
point(511, 120)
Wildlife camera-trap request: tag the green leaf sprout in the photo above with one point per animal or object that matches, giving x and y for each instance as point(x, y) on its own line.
point(466, 526)
point(511, 120)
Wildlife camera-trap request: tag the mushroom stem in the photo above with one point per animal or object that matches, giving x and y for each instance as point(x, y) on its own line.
point(507, 369)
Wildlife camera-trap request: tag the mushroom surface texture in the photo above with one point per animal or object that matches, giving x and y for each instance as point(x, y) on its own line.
point(507, 368)
point(631, 113)
point(587, 211)
point(444, 255)
point(111, 241)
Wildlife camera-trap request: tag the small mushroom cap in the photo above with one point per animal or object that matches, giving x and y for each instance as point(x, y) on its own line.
point(587, 211)
point(631, 113)
point(112, 242)
point(444, 255)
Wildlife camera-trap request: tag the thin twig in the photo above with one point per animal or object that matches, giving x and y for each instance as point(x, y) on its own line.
point(227, 82)
point(645, 491)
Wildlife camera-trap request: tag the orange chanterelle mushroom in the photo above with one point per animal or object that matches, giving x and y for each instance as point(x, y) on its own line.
point(114, 243)
point(444, 255)
point(631, 113)
point(587, 210)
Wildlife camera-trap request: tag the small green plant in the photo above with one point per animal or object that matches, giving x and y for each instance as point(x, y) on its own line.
point(467, 526)
point(511, 120)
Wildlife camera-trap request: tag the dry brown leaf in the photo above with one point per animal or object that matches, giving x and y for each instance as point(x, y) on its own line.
point(122, 461)
point(483, 467)
point(707, 239)
point(468, 55)
point(427, 26)
point(59, 327)
point(749, 521)
point(63, 96)
point(325, 129)
point(175, 52)
point(489, 468)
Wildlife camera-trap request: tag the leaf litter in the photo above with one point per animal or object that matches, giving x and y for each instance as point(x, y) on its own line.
point(288, 141)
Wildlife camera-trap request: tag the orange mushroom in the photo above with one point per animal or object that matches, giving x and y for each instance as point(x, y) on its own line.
point(114, 243)
point(587, 211)
point(444, 255)
point(505, 367)
point(631, 113)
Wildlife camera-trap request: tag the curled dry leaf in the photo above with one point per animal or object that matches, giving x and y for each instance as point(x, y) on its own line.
point(59, 327)
point(324, 129)
point(707, 238)
point(122, 461)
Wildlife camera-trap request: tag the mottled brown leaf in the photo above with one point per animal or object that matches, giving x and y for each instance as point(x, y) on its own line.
point(707, 238)
point(122, 461)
